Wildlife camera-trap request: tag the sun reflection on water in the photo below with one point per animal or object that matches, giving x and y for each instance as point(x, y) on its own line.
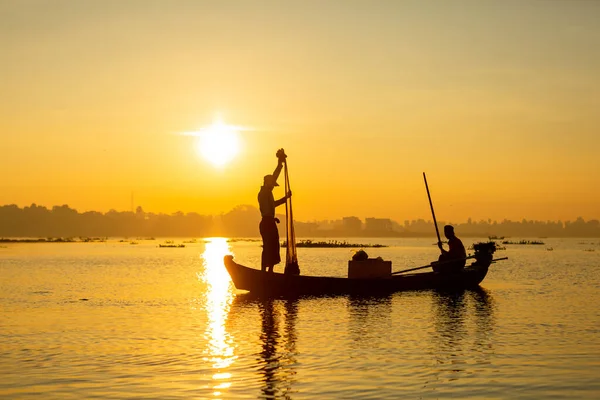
point(219, 295)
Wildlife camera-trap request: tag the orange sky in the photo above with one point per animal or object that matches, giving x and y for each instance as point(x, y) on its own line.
point(496, 101)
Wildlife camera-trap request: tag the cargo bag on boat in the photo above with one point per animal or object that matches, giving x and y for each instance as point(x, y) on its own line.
point(369, 268)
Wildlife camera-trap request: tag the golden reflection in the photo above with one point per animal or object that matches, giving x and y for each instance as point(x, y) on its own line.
point(365, 311)
point(464, 327)
point(279, 359)
point(218, 298)
point(224, 375)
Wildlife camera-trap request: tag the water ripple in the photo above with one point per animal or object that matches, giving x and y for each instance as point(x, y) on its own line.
point(171, 325)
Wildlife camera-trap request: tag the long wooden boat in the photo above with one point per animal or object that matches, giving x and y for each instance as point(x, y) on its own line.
point(278, 284)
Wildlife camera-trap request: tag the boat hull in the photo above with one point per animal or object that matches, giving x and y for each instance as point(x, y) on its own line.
point(277, 284)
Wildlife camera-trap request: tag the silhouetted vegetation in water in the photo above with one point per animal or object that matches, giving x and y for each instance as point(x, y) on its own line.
point(92, 239)
point(591, 243)
point(487, 246)
point(331, 243)
point(38, 240)
point(171, 245)
point(523, 242)
point(495, 237)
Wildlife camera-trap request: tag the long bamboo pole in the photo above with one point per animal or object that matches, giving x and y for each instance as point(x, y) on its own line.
point(441, 263)
point(432, 212)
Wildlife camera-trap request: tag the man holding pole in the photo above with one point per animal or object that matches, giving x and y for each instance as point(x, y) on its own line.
point(455, 258)
point(457, 250)
point(268, 224)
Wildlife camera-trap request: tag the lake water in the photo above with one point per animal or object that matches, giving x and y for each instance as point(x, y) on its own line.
point(117, 321)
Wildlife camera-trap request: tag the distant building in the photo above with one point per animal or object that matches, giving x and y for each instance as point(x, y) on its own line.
point(378, 225)
point(306, 228)
point(351, 224)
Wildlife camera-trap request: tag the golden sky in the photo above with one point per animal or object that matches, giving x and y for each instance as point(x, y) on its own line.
point(497, 101)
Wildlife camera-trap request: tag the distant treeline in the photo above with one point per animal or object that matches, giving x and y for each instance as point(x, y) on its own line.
point(242, 221)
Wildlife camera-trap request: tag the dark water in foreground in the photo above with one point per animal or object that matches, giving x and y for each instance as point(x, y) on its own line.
point(114, 320)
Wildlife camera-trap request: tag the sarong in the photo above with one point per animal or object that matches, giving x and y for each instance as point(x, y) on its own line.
point(270, 238)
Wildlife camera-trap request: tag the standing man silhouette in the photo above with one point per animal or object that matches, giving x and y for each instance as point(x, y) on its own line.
point(268, 223)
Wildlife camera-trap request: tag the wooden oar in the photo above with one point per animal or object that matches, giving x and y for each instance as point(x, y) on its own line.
point(441, 263)
point(431, 265)
point(437, 232)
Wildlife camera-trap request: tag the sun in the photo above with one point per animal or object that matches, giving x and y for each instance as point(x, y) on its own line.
point(218, 143)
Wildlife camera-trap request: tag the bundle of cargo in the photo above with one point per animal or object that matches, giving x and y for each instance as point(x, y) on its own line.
point(361, 266)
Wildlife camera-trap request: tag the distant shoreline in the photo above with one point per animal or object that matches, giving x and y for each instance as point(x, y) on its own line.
point(242, 221)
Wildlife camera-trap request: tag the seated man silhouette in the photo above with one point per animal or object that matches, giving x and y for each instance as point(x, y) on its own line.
point(453, 259)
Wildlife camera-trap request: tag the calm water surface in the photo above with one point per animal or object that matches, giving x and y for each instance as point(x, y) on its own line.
point(114, 320)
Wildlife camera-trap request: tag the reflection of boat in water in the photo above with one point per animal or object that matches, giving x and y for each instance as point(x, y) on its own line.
point(277, 284)
point(370, 319)
point(278, 346)
point(464, 328)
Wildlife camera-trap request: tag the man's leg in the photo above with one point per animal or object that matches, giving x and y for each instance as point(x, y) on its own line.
point(270, 245)
point(263, 256)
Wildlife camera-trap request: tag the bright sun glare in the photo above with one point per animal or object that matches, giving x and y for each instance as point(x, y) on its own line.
point(218, 143)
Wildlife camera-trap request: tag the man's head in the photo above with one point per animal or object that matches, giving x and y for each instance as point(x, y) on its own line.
point(270, 181)
point(449, 231)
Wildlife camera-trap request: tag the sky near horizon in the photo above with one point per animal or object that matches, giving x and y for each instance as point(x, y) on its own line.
point(497, 101)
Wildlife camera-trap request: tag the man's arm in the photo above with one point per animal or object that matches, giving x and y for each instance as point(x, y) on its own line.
point(283, 199)
point(281, 156)
point(441, 248)
point(280, 201)
point(277, 170)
